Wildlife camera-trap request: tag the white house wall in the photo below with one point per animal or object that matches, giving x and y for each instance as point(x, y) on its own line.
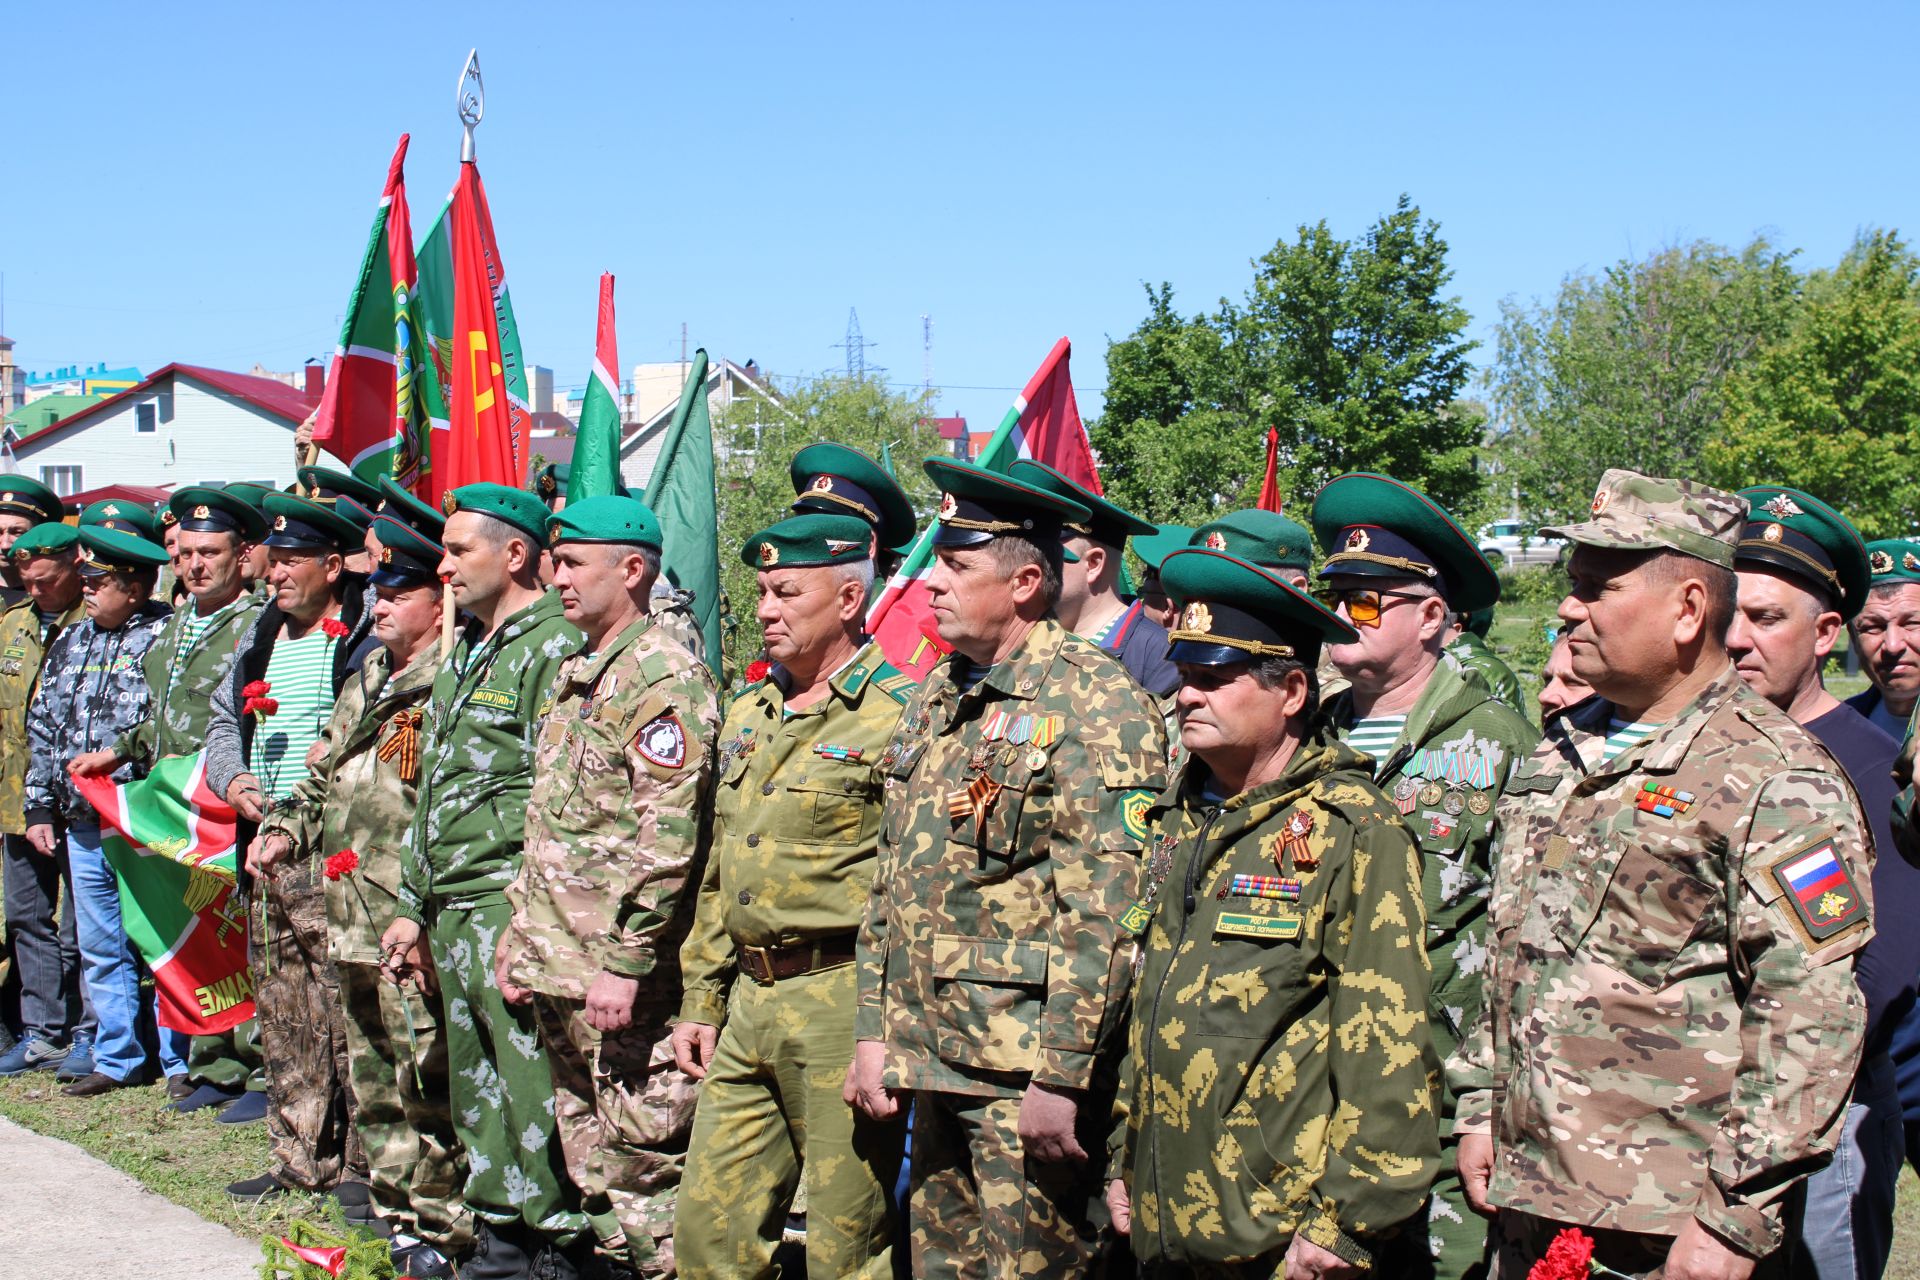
point(213, 437)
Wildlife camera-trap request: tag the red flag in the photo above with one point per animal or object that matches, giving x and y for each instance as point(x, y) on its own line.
point(1270, 488)
point(1044, 425)
point(484, 425)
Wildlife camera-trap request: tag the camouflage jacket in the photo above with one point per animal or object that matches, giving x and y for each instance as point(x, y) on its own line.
point(1470, 653)
point(23, 649)
point(1906, 828)
point(476, 764)
point(796, 823)
point(1444, 774)
point(1009, 846)
point(615, 828)
point(1666, 1032)
point(360, 796)
point(673, 618)
point(181, 680)
point(1281, 1078)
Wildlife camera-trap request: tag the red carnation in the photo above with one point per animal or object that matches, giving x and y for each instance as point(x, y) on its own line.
point(757, 670)
point(260, 707)
point(333, 627)
point(343, 863)
point(255, 689)
point(1569, 1257)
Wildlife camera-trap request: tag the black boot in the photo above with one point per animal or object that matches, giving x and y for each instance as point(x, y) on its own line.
point(499, 1254)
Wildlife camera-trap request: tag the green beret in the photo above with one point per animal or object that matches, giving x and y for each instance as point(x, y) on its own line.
point(406, 559)
point(1893, 561)
point(1107, 523)
point(978, 505)
point(1233, 611)
point(611, 517)
point(20, 496)
point(104, 550)
point(1796, 532)
point(1258, 537)
point(49, 538)
point(199, 509)
point(301, 524)
point(808, 540)
point(503, 502)
point(1376, 526)
point(127, 517)
point(1155, 547)
point(837, 480)
point(400, 504)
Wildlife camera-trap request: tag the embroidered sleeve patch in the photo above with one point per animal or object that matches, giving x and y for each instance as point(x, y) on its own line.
point(1825, 900)
point(662, 741)
point(1133, 813)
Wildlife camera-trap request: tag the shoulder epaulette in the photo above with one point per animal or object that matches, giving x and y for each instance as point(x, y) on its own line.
point(895, 683)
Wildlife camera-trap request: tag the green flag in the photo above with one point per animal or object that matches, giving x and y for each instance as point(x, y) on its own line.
point(681, 494)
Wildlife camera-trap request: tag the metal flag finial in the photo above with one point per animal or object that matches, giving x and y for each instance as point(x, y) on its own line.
point(470, 101)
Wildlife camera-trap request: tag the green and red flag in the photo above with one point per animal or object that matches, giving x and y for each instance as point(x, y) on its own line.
point(172, 843)
point(1043, 424)
point(596, 445)
point(681, 493)
point(373, 415)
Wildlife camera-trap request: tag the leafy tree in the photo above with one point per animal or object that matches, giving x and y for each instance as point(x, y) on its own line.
point(1834, 408)
point(755, 441)
point(1629, 368)
point(1353, 350)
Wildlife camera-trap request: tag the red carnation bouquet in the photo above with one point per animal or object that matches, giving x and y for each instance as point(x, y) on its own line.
point(334, 627)
point(343, 863)
point(1570, 1257)
point(257, 702)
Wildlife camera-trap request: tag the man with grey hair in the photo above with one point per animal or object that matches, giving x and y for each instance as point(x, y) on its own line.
point(1886, 636)
point(766, 1022)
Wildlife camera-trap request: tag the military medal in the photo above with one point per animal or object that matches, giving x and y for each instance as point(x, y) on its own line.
point(1480, 803)
point(1455, 804)
point(1137, 917)
point(1278, 888)
point(982, 757)
point(1036, 759)
point(1293, 842)
point(1664, 801)
point(1431, 793)
point(1405, 794)
point(891, 756)
point(846, 755)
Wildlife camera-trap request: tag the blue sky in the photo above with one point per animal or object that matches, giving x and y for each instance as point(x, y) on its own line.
point(196, 182)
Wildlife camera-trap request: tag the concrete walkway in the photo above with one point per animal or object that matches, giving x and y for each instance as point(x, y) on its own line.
point(64, 1213)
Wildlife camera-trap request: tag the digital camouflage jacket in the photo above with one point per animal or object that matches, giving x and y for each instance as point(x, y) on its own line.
point(22, 651)
point(615, 824)
point(989, 954)
point(1671, 1025)
point(1281, 1078)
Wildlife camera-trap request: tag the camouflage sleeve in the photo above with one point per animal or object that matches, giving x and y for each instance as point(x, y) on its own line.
point(1383, 1142)
point(667, 799)
point(136, 744)
point(706, 957)
point(43, 718)
point(870, 946)
point(411, 899)
point(1803, 1019)
point(1095, 845)
point(297, 817)
point(1470, 1072)
point(1906, 836)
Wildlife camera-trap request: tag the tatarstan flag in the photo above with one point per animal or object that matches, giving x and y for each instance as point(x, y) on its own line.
point(595, 469)
point(373, 415)
point(171, 841)
point(1043, 424)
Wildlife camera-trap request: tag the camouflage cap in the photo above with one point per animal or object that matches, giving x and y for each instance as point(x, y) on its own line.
point(1632, 512)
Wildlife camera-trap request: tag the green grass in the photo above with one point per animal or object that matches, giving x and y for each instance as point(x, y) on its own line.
point(1905, 1263)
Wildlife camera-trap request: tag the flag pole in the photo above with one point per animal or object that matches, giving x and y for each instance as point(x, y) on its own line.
point(470, 105)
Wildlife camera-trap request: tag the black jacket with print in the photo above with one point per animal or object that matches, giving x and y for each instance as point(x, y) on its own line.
point(92, 690)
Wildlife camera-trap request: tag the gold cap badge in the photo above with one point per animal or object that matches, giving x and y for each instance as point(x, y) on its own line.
point(1197, 618)
point(1880, 563)
point(279, 524)
point(1773, 533)
point(1358, 540)
point(769, 554)
point(449, 503)
point(949, 506)
point(1780, 506)
point(1216, 541)
point(553, 535)
point(202, 512)
point(1601, 499)
point(821, 484)
point(386, 555)
point(1909, 561)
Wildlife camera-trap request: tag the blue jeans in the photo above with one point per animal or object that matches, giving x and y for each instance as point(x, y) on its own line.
point(1846, 1222)
point(110, 967)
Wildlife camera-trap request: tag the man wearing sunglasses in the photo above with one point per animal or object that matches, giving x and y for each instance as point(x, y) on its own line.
point(1398, 569)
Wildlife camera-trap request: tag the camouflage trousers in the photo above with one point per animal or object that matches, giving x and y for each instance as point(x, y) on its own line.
point(397, 1055)
point(624, 1112)
point(229, 1060)
point(770, 1116)
point(977, 1208)
point(1519, 1240)
point(499, 1084)
point(1454, 1244)
point(297, 1002)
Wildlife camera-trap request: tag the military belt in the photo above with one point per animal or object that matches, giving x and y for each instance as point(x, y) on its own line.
point(767, 965)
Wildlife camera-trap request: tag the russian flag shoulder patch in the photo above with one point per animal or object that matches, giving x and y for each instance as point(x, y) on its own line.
point(1825, 899)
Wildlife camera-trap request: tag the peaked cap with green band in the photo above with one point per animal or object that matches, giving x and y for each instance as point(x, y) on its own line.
point(1632, 512)
point(1258, 537)
point(251, 494)
point(48, 538)
point(104, 550)
point(809, 540)
point(127, 517)
point(354, 498)
point(20, 496)
point(836, 480)
point(978, 505)
point(611, 517)
point(199, 509)
point(1157, 546)
point(301, 524)
point(1892, 561)
point(1376, 526)
point(1234, 611)
point(515, 507)
point(1796, 532)
point(1109, 523)
point(406, 558)
point(400, 504)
